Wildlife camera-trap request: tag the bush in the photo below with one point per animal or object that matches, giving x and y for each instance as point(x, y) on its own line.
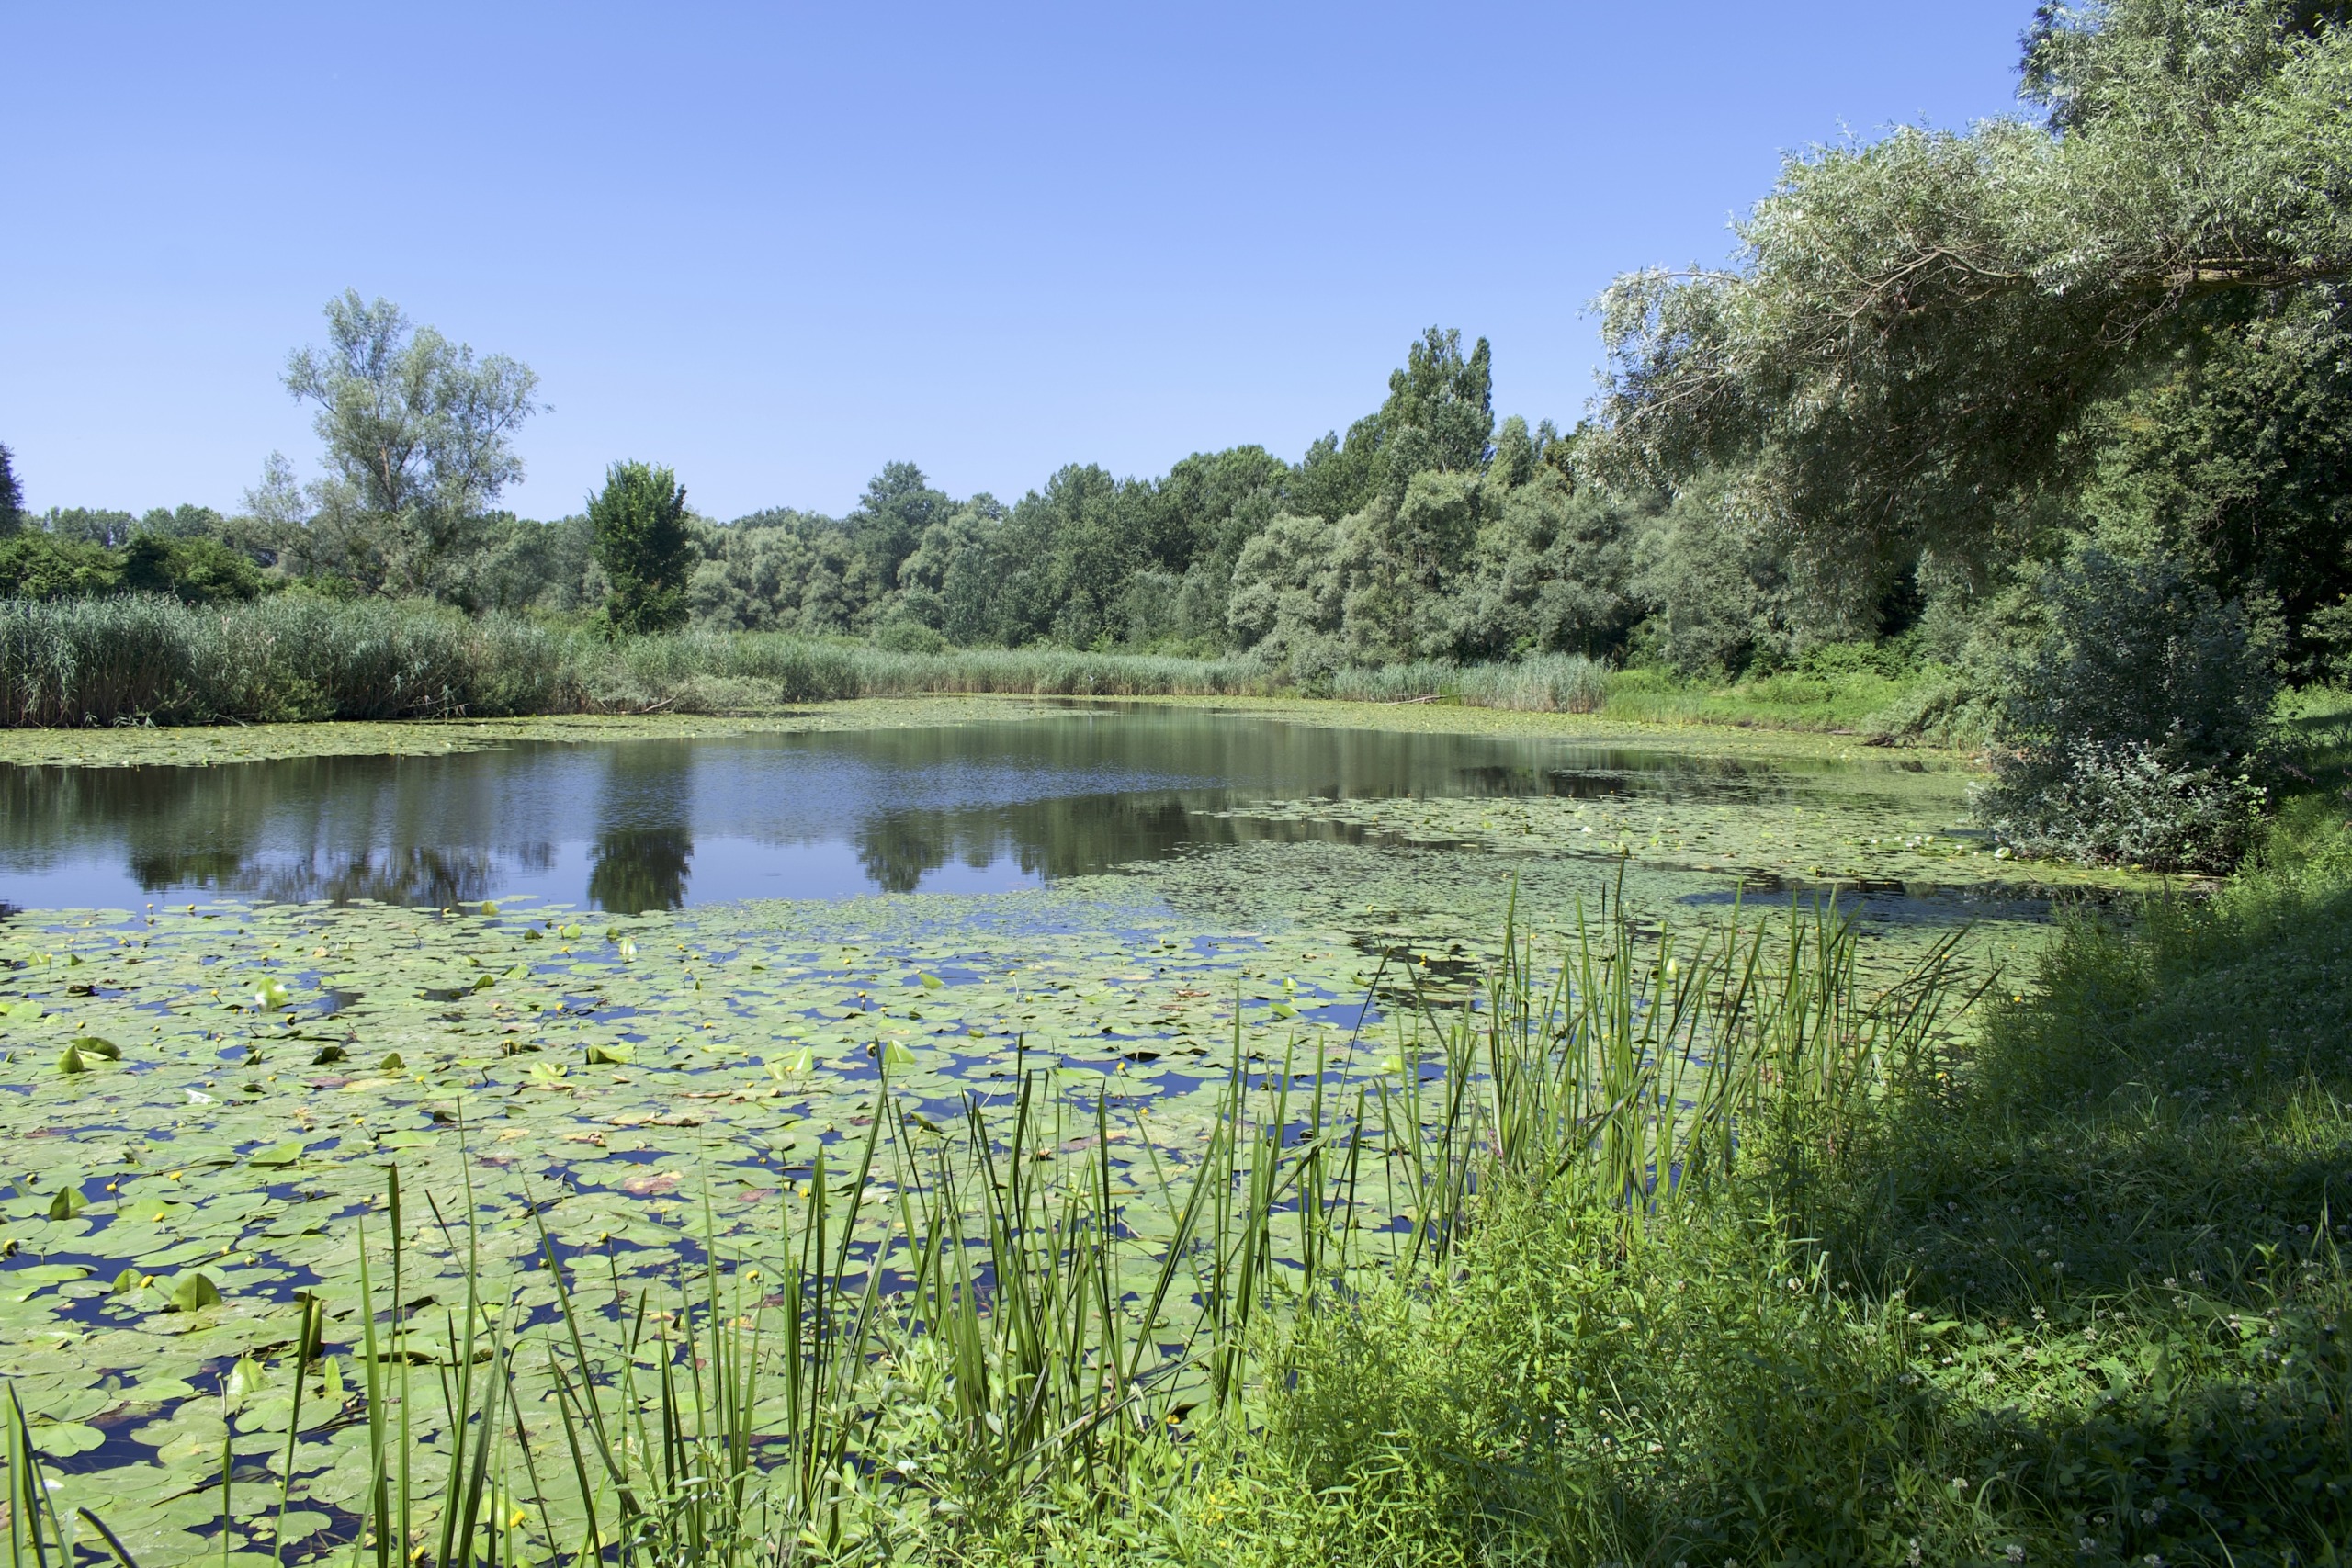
point(36, 564)
point(2138, 730)
point(197, 570)
point(908, 637)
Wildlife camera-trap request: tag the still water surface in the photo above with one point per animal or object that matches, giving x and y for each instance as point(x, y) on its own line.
point(985, 805)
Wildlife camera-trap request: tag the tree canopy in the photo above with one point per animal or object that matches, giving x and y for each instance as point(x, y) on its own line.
point(1904, 352)
point(12, 494)
point(643, 545)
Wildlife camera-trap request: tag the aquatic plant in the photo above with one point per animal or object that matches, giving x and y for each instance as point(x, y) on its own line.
point(953, 1317)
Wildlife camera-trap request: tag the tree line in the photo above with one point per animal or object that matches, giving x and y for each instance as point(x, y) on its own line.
point(1960, 400)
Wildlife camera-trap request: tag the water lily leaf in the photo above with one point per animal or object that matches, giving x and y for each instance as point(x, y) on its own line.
point(93, 1046)
point(273, 996)
point(327, 1055)
point(68, 1203)
point(127, 1281)
point(609, 1056)
point(194, 1292)
point(72, 1062)
point(929, 982)
point(64, 1439)
point(277, 1154)
point(897, 1055)
point(49, 1273)
point(244, 1379)
point(392, 1062)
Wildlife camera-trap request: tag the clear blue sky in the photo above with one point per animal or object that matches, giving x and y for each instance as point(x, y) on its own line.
point(777, 247)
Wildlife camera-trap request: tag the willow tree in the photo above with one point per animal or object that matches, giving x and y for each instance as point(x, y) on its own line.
point(1900, 359)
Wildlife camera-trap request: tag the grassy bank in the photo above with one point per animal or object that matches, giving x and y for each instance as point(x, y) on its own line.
point(133, 660)
point(2081, 1302)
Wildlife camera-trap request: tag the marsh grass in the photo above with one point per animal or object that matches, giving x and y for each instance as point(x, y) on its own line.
point(135, 659)
point(144, 660)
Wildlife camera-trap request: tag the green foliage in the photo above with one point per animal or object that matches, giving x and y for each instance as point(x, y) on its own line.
point(419, 441)
point(37, 564)
point(2137, 730)
point(289, 656)
point(12, 494)
point(2233, 456)
point(1915, 327)
point(1437, 417)
point(196, 570)
point(639, 520)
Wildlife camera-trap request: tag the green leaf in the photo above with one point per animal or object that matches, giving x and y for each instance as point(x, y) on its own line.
point(392, 1062)
point(68, 1203)
point(194, 1292)
point(72, 1062)
point(327, 1057)
point(277, 1154)
point(92, 1045)
point(609, 1056)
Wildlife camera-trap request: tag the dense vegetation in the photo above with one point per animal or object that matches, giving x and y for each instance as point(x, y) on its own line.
point(1711, 1253)
point(1954, 387)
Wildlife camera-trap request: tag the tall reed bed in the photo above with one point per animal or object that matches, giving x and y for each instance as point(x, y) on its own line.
point(957, 1325)
point(139, 659)
point(666, 670)
point(136, 659)
point(1543, 683)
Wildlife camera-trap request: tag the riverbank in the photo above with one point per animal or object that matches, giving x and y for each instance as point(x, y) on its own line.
point(139, 661)
point(205, 745)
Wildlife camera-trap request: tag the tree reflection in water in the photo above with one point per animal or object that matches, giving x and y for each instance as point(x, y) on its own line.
point(1057, 793)
point(632, 870)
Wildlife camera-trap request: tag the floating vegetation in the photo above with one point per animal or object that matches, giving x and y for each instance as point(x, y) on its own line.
point(475, 1233)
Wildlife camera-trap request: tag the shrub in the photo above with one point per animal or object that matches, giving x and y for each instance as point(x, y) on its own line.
point(908, 637)
point(36, 564)
point(198, 570)
point(2137, 729)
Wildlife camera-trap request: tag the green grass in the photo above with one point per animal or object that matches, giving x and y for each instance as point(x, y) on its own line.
point(1864, 700)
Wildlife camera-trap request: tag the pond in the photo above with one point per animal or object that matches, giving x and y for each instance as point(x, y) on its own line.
point(985, 805)
point(632, 990)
